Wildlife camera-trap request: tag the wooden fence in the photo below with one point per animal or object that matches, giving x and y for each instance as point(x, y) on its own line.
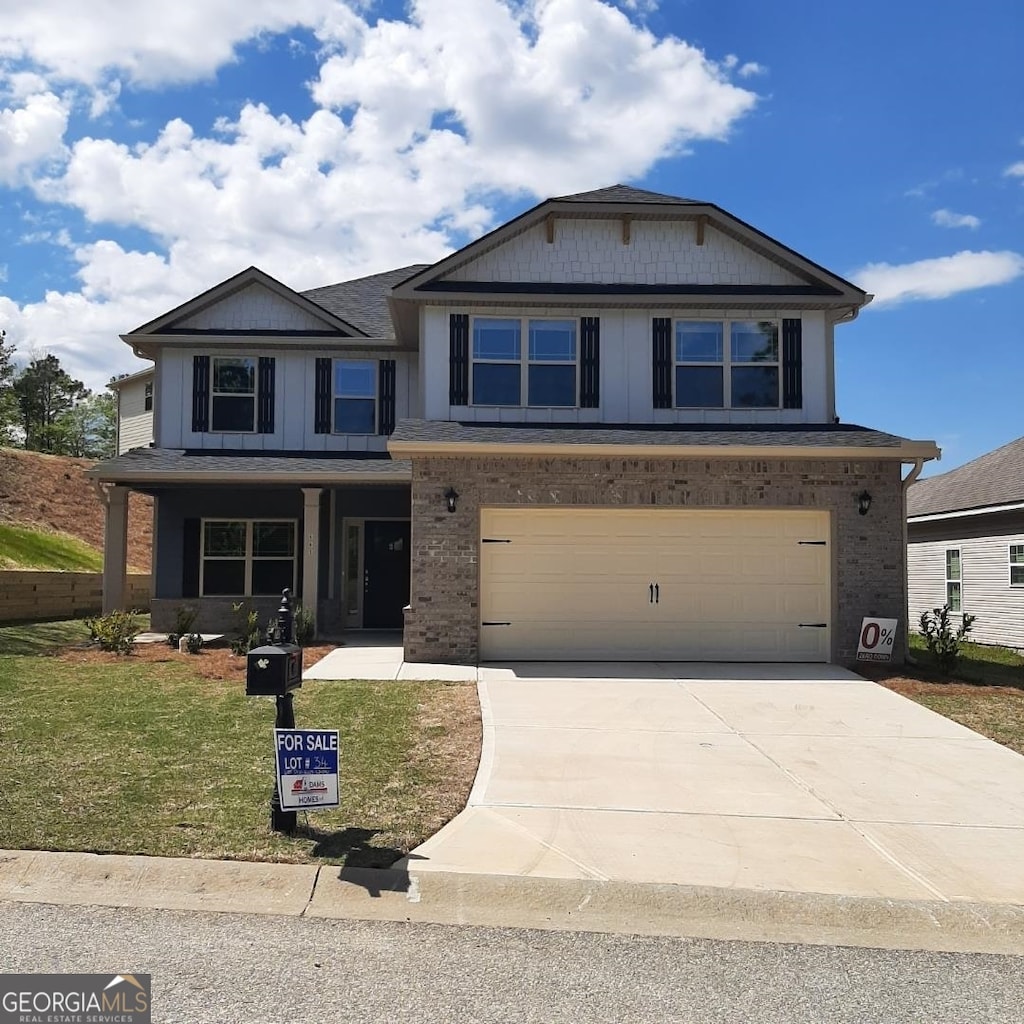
point(27, 596)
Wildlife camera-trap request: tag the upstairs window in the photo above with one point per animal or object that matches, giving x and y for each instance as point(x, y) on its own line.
point(355, 396)
point(147, 398)
point(1017, 565)
point(547, 376)
point(233, 394)
point(726, 364)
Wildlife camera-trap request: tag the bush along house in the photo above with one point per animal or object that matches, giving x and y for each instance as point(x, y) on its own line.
point(604, 430)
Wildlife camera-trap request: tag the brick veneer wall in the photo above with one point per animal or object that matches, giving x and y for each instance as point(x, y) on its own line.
point(442, 622)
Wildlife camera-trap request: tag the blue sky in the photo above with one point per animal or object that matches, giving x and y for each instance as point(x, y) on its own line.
point(149, 151)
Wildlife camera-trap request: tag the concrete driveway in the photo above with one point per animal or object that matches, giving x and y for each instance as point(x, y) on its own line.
point(772, 777)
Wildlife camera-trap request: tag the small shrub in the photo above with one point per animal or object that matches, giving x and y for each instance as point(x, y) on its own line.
point(172, 640)
point(305, 626)
point(114, 632)
point(184, 619)
point(942, 641)
point(193, 643)
point(247, 626)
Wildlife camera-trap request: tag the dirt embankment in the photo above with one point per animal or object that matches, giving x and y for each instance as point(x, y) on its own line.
point(52, 492)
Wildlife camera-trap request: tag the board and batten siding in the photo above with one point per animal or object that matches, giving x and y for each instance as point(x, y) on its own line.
point(985, 577)
point(295, 388)
point(626, 367)
point(134, 420)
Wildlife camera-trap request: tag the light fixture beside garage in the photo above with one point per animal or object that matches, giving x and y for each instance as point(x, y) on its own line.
point(451, 496)
point(863, 502)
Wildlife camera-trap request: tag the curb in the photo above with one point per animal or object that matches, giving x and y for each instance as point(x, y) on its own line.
point(563, 904)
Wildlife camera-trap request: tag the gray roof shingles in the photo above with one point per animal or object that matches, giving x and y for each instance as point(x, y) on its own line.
point(809, 435)
point(212, 466)
point(996, 478)
point(627, 194)
point(364, 301)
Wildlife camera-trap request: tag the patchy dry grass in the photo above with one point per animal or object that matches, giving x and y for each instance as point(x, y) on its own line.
point(161, 753)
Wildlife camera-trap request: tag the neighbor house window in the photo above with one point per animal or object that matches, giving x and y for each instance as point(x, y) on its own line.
point(147, 399)
point(722, 364)
point(233, 394)
point(247, 557)
point(1017, 565)
point(544, 371)
point(953, 580)
point(355, 396)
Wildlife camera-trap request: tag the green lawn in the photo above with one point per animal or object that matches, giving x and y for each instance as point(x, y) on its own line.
point(979, 663)
point(145, 756)
point(24, 548)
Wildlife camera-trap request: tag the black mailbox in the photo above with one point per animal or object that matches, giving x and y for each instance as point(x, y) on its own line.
point(273, 670)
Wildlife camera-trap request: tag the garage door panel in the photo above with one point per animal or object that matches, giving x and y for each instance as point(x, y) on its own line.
point(575, 583)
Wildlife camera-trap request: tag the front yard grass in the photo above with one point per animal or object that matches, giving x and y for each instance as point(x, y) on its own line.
point(161, 753)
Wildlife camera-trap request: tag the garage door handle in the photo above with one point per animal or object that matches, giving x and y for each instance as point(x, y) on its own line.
point(657, 594)
point(651, 598)
point(495, 623)
point(814, 625)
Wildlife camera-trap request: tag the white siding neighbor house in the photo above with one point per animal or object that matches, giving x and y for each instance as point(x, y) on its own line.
point(134, 395)
point(965, 534)
point(604, 430)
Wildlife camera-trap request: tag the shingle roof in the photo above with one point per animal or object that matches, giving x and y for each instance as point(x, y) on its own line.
point(293, 468)
point(364, 301)
point(627, 194)
point(996, 478)
point(823, 436)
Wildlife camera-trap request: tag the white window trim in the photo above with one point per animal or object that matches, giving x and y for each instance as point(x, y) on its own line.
point(960, 582)
point(525, 362)
point(1010, 564)
point(234, 394)
point(335, 396)
point(726, 363)
point(249, 523)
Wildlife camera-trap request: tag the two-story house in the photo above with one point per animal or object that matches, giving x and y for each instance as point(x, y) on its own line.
point(605, 430)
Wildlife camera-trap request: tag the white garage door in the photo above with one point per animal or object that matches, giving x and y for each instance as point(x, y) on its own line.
point(654, 584)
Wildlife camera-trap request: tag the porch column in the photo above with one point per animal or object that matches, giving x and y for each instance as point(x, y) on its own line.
point(115, 546)
point(310, 547)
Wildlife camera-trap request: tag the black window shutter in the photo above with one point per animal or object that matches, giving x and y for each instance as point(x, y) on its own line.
point(200, 394)
point(458, 359)
point(792, 364)
point(386, 396)
point(265, 397)
point(190, 556)
point(322, 397)
point(662, 380)
point(590, 362)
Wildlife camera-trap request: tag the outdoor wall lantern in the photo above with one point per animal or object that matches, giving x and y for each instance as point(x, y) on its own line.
point(451, 496)
point(863, 502)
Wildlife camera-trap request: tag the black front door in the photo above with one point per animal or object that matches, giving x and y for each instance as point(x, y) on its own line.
point(385, 574)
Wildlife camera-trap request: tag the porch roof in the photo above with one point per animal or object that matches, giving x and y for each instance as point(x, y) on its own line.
point(178, 465)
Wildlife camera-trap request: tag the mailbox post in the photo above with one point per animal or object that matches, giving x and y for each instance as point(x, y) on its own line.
point(275, 670)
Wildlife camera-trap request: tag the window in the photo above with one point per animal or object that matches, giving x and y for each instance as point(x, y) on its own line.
point(1017, 565)
point(710, 374)
point(355, 396)
point(233, 394)
point(547, 376)
point(147, 399)
point(247, 557)
point(953, 580)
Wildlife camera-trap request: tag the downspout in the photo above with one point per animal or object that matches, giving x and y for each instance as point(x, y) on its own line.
point(908, 480)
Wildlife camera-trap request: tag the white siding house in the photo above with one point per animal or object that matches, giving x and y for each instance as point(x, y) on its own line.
point(135, 400)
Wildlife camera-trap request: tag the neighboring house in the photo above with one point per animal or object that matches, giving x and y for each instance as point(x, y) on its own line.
point(134, 394)
point(965, 532)
point(604, 430)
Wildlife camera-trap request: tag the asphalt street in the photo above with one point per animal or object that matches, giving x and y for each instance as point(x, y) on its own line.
point(242, 968)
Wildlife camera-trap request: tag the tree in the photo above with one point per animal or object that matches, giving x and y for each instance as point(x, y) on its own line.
point(45, 392)
point(89, 430)
point(9, 417)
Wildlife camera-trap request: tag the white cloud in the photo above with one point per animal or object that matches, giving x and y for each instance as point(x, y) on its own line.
point(148, 43)
point(1015, 170)
point(751, 68)
point(31, 134)
point(425, 126)
point(949, 219)
point(938, 278)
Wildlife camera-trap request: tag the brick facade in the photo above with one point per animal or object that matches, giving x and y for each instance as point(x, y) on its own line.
point(868, 574)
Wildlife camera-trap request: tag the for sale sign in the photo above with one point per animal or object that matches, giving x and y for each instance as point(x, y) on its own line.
point(307, 768)
point(876, 639)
